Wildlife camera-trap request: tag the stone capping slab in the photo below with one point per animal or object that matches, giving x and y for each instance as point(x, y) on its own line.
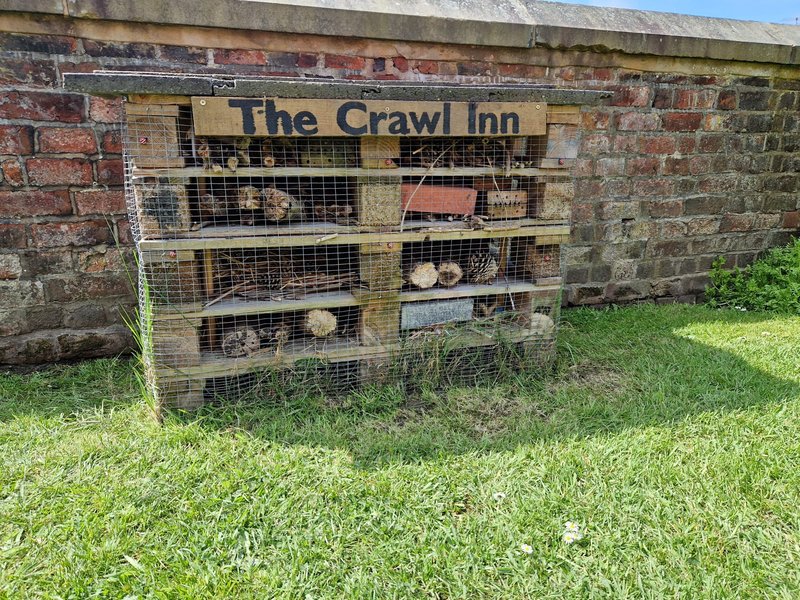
point(504, 23)
point(120, 83)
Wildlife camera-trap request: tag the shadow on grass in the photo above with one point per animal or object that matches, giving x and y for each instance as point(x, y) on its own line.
point(628, 368)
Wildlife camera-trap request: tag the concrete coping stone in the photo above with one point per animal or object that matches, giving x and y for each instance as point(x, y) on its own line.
point(500, 23)
point(120, 83)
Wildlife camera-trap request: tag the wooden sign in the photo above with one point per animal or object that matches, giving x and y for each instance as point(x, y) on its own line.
point(308, 118)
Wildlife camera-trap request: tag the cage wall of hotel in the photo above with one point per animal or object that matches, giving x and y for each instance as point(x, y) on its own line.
point(343, 260)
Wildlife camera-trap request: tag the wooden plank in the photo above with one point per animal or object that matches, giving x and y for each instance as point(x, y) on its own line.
point(562, 141)
point(176, 343)
point(506, 204)
point(380, 152)
point(216, 365)
point(159, 99)
point(381, 271)
point(152, 135)
point(217, 116)
point(429, 234)
point(172, 277)
point(188, 172)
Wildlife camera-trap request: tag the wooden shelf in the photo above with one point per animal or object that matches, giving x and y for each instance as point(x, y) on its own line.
point(273, 237)
point(215, 364)
point(239, 306)
point(188, 172)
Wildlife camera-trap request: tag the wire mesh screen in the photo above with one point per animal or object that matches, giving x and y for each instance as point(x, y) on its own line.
point(342, 260)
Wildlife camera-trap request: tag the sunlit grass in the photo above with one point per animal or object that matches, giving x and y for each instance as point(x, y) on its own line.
point(669, 435)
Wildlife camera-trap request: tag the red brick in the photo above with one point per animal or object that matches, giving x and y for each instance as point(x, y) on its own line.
point(67, 139)
point(638, 121)
point(59, 171)
point(791, 219)
point(682, 121)
point(642, 166)
point(124, 233)
point(565, 73)
point(736, 222)
point(105, 110)
point(42, 106)
point(694, 98)
point(630, 96)
point(626, 143)
point(584, 167)
point(110, 171)
point(16, 139)
point(400, 63)
point(595, 120)
point(657, 145)
point(610, 167)
point(82, 233)
point(13, 173)
point(431, 67)
point(112, 142)
point(702, 226)
point(686, 144)
point(12, 235)
point(699, 165)
point(341, 61)
point(306, 60)
point(240, 57)
point(34, 203)
point(100, 202)
point(718, 183)
point(726, 100)
point(602, 74)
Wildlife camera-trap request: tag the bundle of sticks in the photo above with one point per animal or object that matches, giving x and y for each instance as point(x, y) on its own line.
point(272, 276)
point(483, 152)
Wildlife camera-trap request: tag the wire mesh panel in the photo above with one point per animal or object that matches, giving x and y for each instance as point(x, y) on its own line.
point(356, 258)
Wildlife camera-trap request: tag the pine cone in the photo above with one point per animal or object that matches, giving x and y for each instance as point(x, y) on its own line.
point(482, 268)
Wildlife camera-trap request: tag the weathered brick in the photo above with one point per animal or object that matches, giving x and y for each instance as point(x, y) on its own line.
point(663, 98)
point(642, 166)
point(67, 140)
point(712, 143)
point(13, 173)
point(34, 203)
point(595, 119)
point(702, 226)
point(610, 167)
point(105, 110)
point(119, 49)
point(760, 100)
point(85, 315)
point(45, 262)
point(42, 106)
point(59, 171)
point(626, 143)
point(400, 63)
point(44, 44)
point(342, 61)
point(38, 73)
point(12, 235)
point(718, 183)
point(611, 210)
point(653, 187)
point(16, 139)
point(87, 287)
point(282, 60)
point(100, 202)
point(665, 208)
point(105, 342)
point(676, 166)
point(112, 142)
point(630, 96)
point(81, 233)
point(699, 165)
point(596, 143)
point(124, 234)
point(584, 167)
point(306, 60)
point(110, 171)
point(638, 121)
point(791, 219)
point(657, 145)
point(736, 222)
point(474, 68)
point(682, 121)
point(431, 67)
point(699, 98)
point(726, 100)
point(184, 54)
point(9, 266)
point(240, 57)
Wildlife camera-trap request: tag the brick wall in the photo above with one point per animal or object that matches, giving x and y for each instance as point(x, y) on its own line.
point(682, 165)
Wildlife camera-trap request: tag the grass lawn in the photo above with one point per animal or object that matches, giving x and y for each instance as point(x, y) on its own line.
point(671, 435)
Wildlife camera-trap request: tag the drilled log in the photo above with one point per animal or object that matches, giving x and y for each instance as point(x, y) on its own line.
point(450, 273)
point(422, 275)
point(319, 323)
point(240, 341)
point(280, 206)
